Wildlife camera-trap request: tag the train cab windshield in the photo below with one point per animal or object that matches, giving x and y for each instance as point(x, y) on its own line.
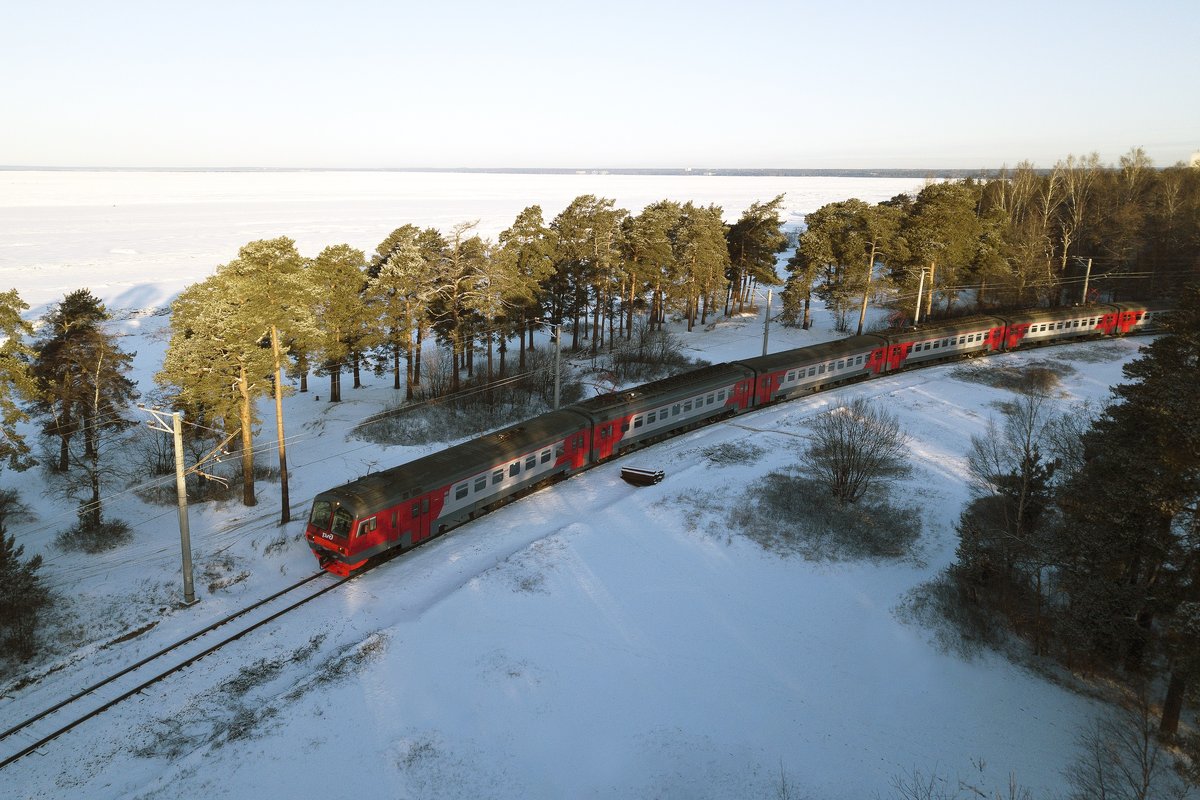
point(324, 512)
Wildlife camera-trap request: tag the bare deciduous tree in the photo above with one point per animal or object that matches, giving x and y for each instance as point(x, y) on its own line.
point(1121, 759)
point(856, 447)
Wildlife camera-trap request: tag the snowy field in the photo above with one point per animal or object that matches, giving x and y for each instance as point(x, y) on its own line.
point(591, 640)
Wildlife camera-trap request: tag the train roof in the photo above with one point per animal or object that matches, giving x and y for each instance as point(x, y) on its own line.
point(388, 487)
point(786, 359)
point(682, 384)
point(949, 326)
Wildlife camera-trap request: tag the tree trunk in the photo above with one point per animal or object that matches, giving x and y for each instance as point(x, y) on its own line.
point(417, 360)
point(286, 515)
point(1173, 702)
point(521, 360)
point(396, 363)
point(303, 380)
point(575, 330)
point(470, 354)
point(597, 328)
point(94, 507)
point(64, 453)
point(629, 326)
point(408, 357)
point(807, 319)
point(704, 312)
point(247, 441)
point(503, 350)
point(357, 362)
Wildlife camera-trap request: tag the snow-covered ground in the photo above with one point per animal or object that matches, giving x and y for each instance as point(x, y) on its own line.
point(590, 640)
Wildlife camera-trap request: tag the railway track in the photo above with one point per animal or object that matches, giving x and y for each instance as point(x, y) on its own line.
point(28, 735)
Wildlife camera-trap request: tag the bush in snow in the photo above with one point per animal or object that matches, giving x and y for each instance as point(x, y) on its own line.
point(788, 512)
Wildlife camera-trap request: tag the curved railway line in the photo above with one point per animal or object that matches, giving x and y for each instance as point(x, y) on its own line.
point(34, 732)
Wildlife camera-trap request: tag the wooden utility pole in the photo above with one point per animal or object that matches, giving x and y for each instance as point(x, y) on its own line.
point(920, 292)
point(929, 304)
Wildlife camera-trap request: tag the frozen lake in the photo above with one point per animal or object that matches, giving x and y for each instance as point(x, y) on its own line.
point(137, 238)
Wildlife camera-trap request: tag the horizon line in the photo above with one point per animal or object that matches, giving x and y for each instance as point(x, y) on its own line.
point(784, 172)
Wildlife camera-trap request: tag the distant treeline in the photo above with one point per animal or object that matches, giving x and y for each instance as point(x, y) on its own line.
point(1016, 238)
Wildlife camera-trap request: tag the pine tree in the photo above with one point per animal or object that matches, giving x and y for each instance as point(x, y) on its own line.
point(754, 240)
point(1127, 548)
point(336, 280)
point(101, 369)
point(528, 246)
point(214, 362)
point(16, 382)
point(266, 284)
point(59, 390)
point(453, 276)
point(704, 257)
point(22, 596)
point(397, 294)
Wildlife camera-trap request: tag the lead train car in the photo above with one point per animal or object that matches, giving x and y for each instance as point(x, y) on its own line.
point(405, 505)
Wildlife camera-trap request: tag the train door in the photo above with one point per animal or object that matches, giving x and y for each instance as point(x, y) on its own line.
point(426, 520)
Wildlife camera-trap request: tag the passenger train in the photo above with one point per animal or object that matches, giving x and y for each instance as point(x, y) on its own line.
point(406, 505)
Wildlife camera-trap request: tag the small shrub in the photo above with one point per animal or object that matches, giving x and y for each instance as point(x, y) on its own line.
point(728, 454)
point(785, 512)
point(84, 536)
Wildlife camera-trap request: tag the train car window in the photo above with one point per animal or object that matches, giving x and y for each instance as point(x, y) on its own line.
point(530, 462)
point(625, 426)
point(416, 510)
point(637, 422)
point(546, 453)
point(364, 528)
point(791, 376)
point(937, 345)
point(687, 406)
point(927, 345)
point(812, 371)
point(559, 450)
point(721, 396)
point(425, 506)
point(497, 476)
point(393, 519)
point(712, 398)
point(460, 491)
point(675, 410)
point(859, 359)
point(342, 520)
point(322, 511)
point(481, 483)
point(653, 415)
point(514, 469)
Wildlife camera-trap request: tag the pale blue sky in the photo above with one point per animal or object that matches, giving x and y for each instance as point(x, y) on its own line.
point(605, 84)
